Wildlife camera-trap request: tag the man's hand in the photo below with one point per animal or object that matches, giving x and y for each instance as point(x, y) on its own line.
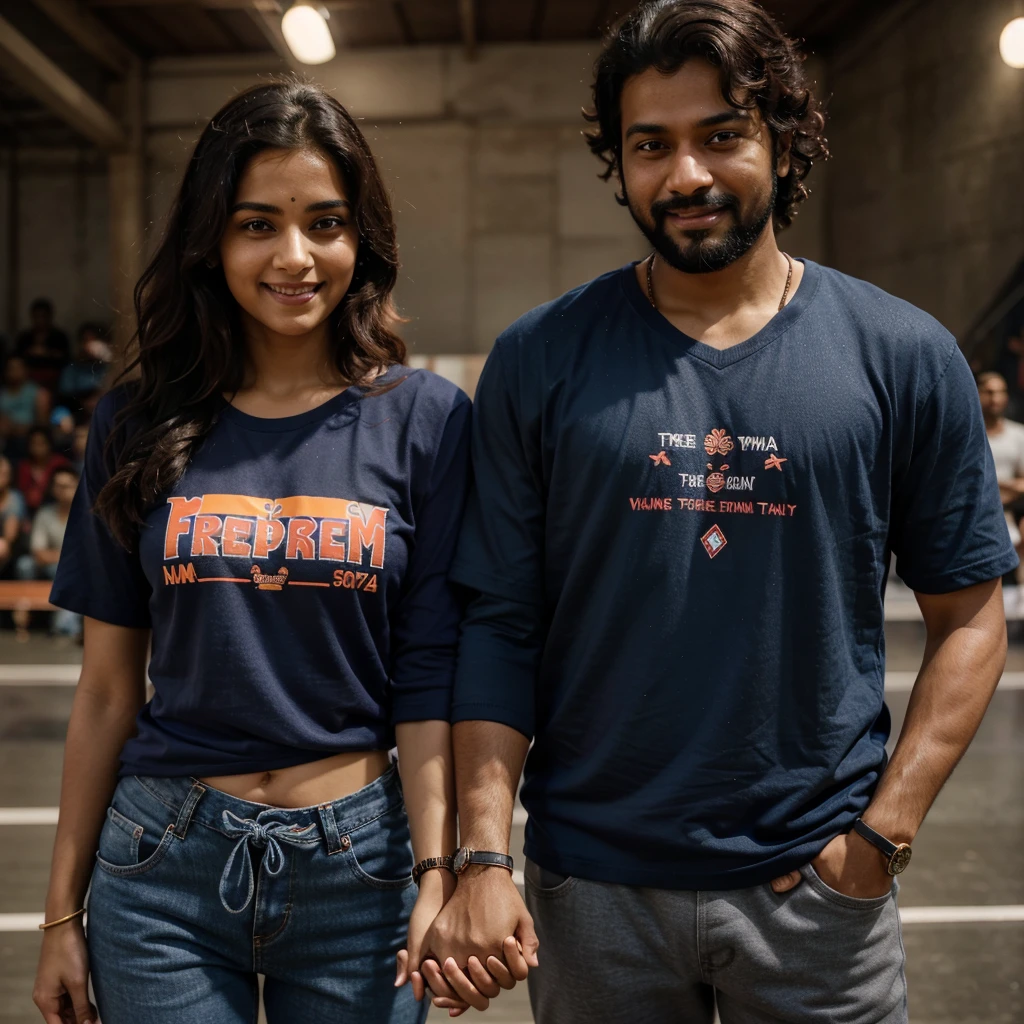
point(850, 865)
point(481, 942)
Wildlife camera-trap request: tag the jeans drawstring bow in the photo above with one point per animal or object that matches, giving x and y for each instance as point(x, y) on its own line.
point(237, 879)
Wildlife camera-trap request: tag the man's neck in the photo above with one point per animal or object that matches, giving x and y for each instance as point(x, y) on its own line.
point(994, 425)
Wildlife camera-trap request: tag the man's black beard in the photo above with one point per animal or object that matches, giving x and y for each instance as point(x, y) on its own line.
point(702, 255)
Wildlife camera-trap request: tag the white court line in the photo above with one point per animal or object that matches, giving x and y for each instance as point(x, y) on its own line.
point(909, 915)
point(28, 815)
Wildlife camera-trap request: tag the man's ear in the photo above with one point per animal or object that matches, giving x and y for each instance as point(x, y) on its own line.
point(620, 192)
point(783, 149)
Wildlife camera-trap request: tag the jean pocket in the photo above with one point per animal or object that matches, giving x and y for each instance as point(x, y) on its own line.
point(126, 848)
point(814, 882)
point(547, 884)
point(379, 853)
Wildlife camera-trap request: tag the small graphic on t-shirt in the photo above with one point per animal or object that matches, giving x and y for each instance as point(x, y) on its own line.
point(703, 485)
point(714, 541)
point(307, 531)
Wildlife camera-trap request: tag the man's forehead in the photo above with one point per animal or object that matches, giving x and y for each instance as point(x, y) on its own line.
point(691, 94)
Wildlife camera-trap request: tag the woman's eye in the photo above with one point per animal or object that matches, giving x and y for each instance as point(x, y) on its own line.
point(257, 225)
point(329, 224)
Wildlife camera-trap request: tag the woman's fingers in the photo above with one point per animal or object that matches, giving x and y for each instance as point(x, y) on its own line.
point(431, 971)
point(401, 967)
point(500, 973)
point(515, 959)
point(464, 988)
point(419, 986)
point(484, 983)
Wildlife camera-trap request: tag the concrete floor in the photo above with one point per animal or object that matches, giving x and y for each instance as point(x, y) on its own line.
point(970, 852)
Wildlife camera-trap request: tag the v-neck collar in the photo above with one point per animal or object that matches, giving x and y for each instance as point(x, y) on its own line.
point(721, 358)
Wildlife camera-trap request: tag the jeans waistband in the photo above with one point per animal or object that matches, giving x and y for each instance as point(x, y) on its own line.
point(266, 828)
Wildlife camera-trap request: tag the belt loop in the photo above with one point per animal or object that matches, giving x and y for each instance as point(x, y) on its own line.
point(185, 814)
point(330, 827)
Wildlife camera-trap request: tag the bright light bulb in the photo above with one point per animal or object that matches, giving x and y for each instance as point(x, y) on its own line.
point(1011, 43)
point(307, 34)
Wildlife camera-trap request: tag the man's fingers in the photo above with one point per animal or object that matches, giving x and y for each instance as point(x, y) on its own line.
point(464, 988)
point(500, 973)
point(435, 980)
point(484, 983)
point(401, 967)
point(528, 941)
point(517, 964)
point(786, 882)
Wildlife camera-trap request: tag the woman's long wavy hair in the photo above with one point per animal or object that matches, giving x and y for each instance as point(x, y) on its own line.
point(759, 67)
point(189, 348)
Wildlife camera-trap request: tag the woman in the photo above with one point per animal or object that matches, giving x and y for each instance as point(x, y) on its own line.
point(23, 404)
point(273, 505)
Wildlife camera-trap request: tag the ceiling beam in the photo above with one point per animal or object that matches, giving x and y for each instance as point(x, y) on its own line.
point(89, 33)
point(30, 69)
point(266, 16)
point(467, 23)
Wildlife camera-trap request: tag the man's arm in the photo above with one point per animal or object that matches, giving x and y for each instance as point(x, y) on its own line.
point(964, 657)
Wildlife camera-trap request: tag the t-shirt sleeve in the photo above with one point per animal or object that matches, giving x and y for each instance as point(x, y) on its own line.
point(501, 557)
point(96, 576)
point(948, 528)
point(425, 628)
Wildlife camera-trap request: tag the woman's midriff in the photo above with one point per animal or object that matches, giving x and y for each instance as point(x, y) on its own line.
point(302, 785)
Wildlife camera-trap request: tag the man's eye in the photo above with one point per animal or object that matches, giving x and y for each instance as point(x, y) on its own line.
point(650, 146)
point(724, 136)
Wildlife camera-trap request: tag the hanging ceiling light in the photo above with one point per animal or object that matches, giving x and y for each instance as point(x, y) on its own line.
point(1011, 43)
point(307, 35)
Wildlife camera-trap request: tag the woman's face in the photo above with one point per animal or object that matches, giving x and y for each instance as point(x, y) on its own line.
point(289, 250)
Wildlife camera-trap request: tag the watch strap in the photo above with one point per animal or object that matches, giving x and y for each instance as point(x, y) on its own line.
point(494, 860)
point(874, 838)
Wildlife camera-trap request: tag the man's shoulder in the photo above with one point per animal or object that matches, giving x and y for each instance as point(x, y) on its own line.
point(559, 320)
point(1014, 429)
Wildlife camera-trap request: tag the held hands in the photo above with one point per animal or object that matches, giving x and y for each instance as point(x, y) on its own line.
point(483, 941)
point(850, 865)
point(61, 991)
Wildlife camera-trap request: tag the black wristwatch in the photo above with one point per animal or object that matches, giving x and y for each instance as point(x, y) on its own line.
point(464, 856)
point(898, 854)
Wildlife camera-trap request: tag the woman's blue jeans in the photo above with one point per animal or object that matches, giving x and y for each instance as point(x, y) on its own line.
point(196, 892)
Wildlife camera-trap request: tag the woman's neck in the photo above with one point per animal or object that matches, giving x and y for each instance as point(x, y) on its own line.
point(282, 367)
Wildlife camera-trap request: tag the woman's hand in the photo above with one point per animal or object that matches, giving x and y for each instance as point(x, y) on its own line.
point(436, 889)
point(62, 979)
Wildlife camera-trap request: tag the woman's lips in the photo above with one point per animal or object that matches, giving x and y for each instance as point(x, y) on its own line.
point(290, 294)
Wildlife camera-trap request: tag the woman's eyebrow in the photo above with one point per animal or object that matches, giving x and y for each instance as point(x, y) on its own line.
point(326, 204)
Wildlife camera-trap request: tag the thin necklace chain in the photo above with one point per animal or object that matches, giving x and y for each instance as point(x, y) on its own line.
point(782, 301)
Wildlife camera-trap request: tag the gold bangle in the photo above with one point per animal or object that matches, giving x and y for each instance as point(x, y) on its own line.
point(61, 920)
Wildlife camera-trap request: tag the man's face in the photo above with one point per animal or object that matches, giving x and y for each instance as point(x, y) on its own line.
point(699, 175)
point(994, 397)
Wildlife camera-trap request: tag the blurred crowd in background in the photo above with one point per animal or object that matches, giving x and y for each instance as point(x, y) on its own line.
point(48, 391)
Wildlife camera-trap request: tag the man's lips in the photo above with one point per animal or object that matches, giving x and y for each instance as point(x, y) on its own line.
point(699, 218)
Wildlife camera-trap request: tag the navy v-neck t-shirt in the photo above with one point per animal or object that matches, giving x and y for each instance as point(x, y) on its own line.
point(682, 554)
point(294, 578)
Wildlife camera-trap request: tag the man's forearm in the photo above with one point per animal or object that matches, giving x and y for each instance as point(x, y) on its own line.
point(964, 658)
point(489, 760)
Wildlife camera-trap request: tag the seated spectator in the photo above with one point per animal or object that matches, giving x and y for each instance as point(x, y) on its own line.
point(38, 466)
point(80, 382)
point(1006, 439)
point(44, 549)
point(23, 405)
point(45, 348)
point(13, 517)
point(79, 439)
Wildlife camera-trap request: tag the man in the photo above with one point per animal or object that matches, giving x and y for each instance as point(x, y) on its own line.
point(1006, 439)
point(44, 347)
point(689, 476)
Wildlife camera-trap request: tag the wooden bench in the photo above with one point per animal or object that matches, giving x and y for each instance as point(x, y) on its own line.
point(25, 595)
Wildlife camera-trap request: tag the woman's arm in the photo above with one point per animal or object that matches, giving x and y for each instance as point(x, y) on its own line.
point(425, 765)
point(111, 690)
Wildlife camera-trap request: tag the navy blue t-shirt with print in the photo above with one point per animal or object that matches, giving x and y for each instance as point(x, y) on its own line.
point(681, 555)
point(295, 579)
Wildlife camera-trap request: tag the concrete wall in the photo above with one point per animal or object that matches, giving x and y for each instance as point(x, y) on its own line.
point(927, 131)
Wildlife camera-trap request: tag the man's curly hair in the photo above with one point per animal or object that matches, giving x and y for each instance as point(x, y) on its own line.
point(759, 66)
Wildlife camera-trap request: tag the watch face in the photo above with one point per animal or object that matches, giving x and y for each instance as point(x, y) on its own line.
point(900, 859)
point(461, 860)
